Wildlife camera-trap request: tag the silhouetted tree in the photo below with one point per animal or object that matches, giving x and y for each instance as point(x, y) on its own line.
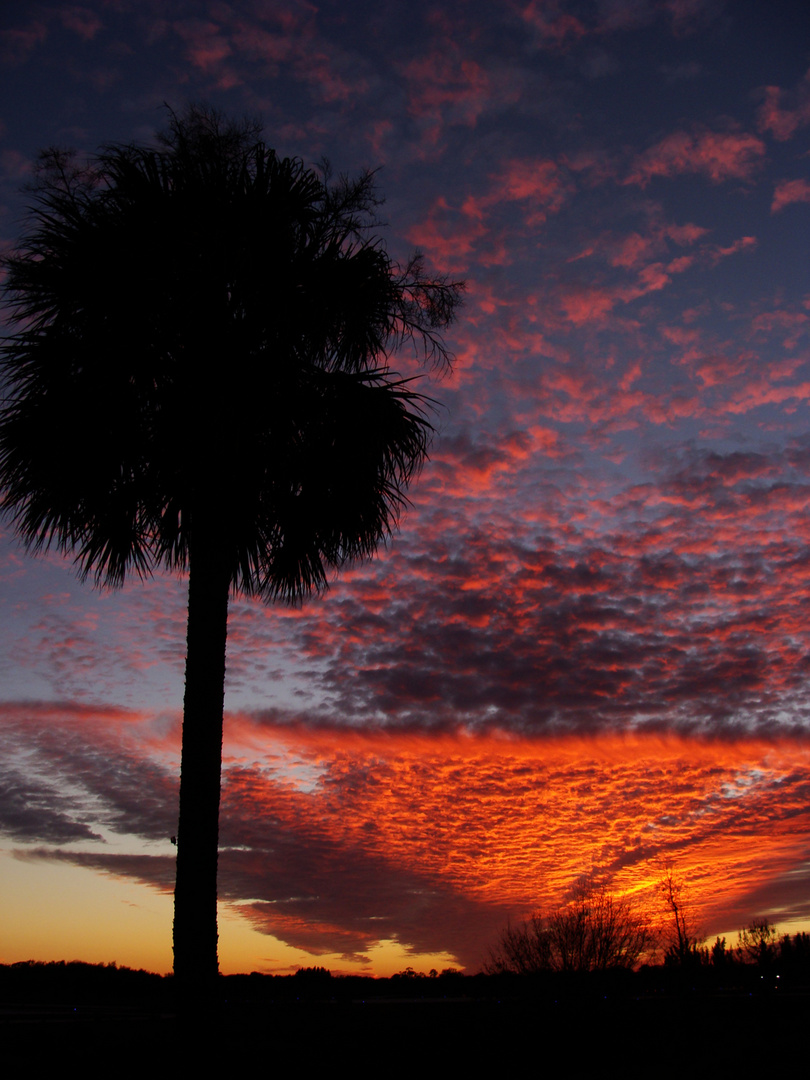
point(682, 940)
point(794, 953)
point(721, 955)
point(199, 380)
point(758, 942)
point(318, 973)
point(522, 949)
point(594, 932)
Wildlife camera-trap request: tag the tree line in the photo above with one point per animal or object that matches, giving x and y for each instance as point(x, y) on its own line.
point(596, 931)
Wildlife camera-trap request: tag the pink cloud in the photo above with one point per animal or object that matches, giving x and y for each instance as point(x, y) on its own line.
point(19, 42)
point(596, 167)
point(553, 26)
point(720, 155)
point(538, 186)
point(534, 180)
point(689, 15)
point(446, 88)
point(448, 234)
point(745, 243)
point(789, 191)
point(685, 234)
point(635, 249)
point(784, 121)
point(583, 304)
point(276, 36)
point(791, 324)
point(206, 42)
point(652, 278)
point(81, 21)
point(483, 468)
point(293, 40)
point(677, 266)
point(719, 370)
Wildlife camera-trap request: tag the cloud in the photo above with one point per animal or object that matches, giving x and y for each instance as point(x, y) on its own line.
point(471, 469)
point(80, 20)
point(481, 227)
point(690, 16)
point(789, 191)
point(635, 249)
point(435, 839)
point(19, 42)
point(271, 40)
point(86, 770)
point(446, 88)
point(783, 112)
point(719, 155)
point(585, 299)
point(206, 43)
point(32, 810)
point(553, 26)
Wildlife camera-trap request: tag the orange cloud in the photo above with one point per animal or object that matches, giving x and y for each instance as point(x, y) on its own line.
point(509, 824)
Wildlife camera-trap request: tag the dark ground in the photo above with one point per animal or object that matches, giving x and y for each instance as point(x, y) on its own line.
point(131, 1024)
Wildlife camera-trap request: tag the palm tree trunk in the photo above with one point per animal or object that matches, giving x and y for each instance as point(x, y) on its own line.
point(196, 964)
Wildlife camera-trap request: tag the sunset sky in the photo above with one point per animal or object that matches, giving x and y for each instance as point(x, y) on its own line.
point(587, 650)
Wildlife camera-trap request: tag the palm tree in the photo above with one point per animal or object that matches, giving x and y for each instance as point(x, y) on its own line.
point(199, 380)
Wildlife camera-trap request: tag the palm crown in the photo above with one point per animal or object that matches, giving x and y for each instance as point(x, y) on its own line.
point(205, 330)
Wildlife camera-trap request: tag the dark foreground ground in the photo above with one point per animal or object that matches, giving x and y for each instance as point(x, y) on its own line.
point(582, 1030)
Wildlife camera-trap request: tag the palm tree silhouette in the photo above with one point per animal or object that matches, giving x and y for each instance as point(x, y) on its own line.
point(199, 379)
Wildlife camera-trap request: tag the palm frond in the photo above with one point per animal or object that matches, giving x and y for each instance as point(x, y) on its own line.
point(151, 268)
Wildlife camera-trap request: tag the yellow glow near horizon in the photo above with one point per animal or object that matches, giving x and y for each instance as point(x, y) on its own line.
point(55, 911)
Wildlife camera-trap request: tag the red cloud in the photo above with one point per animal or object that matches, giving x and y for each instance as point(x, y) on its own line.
point(784, 122)
point(448, 234)
point(720, 155)
point(789, 191)
point(206, 42)
point(220, 48)
point(583, 304)
point(19, 42)
point(554, 27)
point(638, 248)
point(793, 324)
point(745, 243)
point(81, 21)
point(446, 88)
point(538, 186)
